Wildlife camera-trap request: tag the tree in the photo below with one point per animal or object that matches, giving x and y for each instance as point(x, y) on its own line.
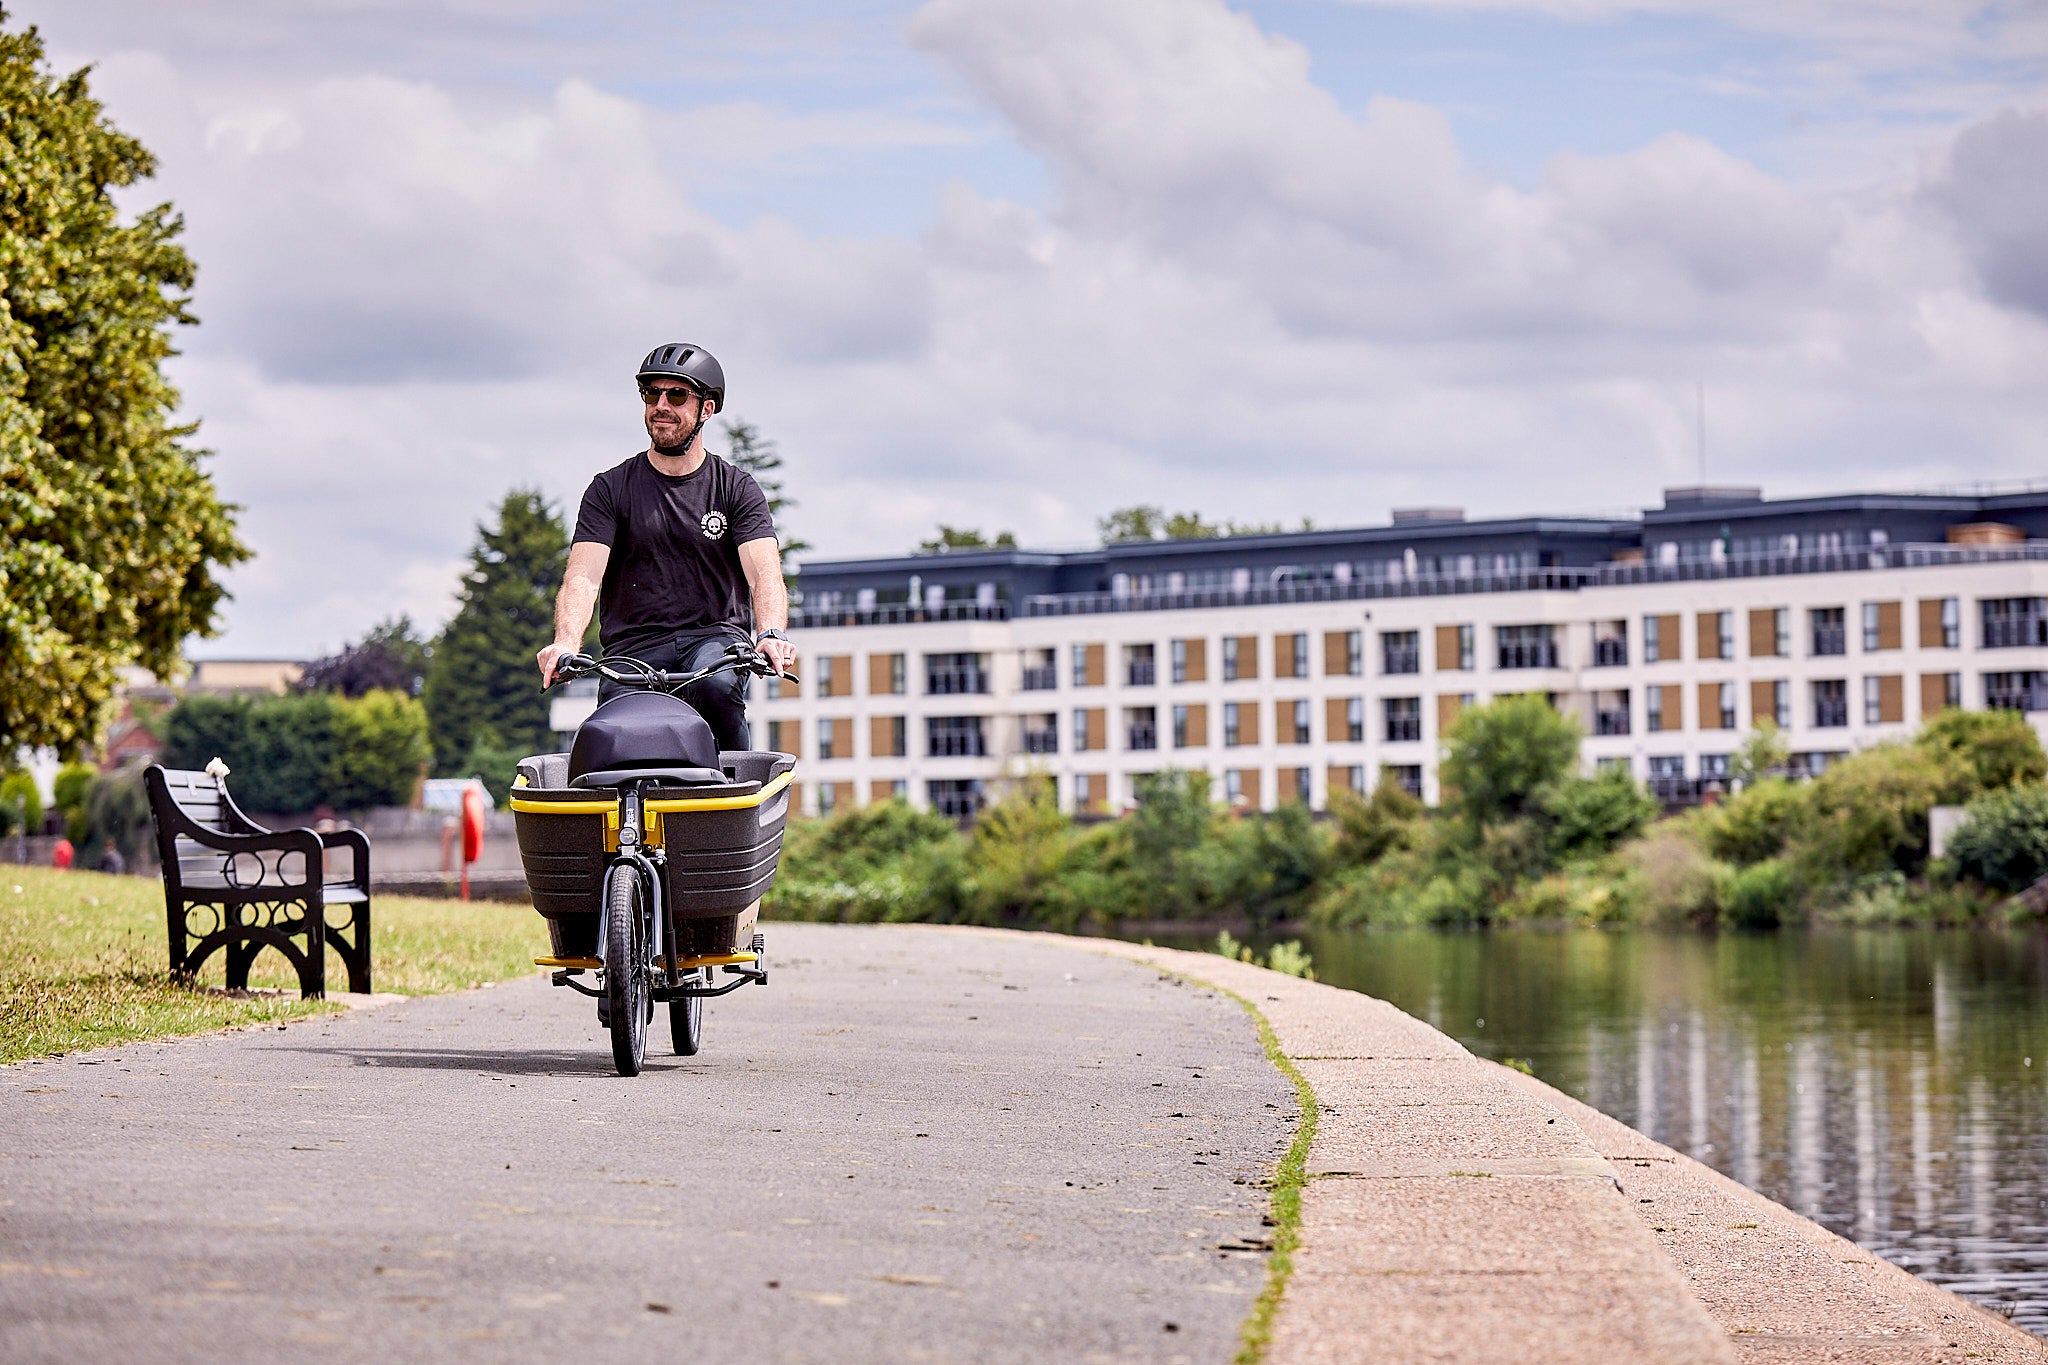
point(955, 538)
point(2003, 840)
point(482, 677)
point(1998, 748)
point(746, 449)
point(390, 658)
point(1762, 753)
point(1127, 524)
point(1500, 757)
point(1146, 522)
point(111, 534)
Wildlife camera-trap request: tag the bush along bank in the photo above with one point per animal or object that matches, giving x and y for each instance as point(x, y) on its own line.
point(1521, 836)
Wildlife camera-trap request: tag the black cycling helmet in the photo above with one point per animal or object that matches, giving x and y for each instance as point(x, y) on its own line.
point(693, 365)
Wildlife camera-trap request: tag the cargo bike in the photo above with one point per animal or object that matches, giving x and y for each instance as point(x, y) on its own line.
point(647, 849)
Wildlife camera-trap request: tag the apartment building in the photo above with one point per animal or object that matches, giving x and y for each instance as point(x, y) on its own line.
point(1288, 666)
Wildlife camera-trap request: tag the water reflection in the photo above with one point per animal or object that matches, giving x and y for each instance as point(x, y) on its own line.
point(1892, 1085)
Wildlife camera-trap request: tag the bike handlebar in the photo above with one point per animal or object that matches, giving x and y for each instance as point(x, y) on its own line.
point(633, 673)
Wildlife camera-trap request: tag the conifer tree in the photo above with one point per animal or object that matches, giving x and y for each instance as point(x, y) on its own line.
point(483, 694)
point(111, 533)
point(747, 449)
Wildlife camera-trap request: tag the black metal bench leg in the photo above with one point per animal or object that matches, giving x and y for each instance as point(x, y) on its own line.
point(356, 950)
point(240, 955)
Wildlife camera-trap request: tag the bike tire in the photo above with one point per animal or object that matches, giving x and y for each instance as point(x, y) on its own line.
point(686, 1021)
point(626, 986)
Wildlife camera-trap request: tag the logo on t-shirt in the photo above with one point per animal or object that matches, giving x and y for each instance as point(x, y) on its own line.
point(713, 524)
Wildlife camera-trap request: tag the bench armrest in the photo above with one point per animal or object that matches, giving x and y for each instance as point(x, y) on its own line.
point(303, 842)
point(358, 845)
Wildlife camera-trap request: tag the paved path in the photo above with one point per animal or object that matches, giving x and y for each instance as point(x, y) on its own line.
point(912, 1145)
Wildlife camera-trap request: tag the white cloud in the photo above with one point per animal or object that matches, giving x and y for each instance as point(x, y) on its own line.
point(1243, 298)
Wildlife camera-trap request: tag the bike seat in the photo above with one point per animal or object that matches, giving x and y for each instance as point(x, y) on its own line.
point(664, 774)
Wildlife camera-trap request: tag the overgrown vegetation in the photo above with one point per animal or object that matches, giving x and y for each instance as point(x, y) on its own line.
point(294, 753)
point(1521, 835)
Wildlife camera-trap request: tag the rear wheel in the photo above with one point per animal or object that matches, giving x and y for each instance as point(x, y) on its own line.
point(686, 1018)
point(626, 989)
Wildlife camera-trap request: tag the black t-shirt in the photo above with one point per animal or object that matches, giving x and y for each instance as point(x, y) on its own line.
point(675, 542)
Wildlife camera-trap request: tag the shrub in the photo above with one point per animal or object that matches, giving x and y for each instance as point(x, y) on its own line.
point(1589, 816)
point(1368, 828)
point(69, 794)
point(117, 816)
point(21, 805)
point(1868, 813)
point(1671, 879)
point(1996, 748)
point(1761, 896)
point(2003, 840)
point(1755, 823)
point(380, 746)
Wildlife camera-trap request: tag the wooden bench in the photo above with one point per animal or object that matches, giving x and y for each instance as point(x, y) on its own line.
point(231, 884)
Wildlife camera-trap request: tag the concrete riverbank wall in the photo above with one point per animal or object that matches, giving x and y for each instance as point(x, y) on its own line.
point(1455, 1210)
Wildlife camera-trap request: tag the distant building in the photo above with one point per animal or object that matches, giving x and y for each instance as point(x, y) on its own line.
point(1287, 666)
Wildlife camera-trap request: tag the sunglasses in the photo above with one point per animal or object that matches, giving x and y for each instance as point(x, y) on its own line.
point(675, 393)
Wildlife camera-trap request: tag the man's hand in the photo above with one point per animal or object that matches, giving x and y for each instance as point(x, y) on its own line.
point(780, 653)
point(553, 655)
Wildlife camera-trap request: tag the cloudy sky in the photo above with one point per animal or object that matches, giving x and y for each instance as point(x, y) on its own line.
point(1012, 263)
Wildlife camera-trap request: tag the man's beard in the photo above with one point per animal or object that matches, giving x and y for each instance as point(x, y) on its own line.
point(674, 438)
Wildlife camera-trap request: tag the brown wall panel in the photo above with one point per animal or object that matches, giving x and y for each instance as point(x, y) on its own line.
point(1763, 701)
point(881, 674)
point(1447, 648)
point(1095, 665)
point(1930, 622)
point(1891, 632)
point(1891, 698)
point(1198, 726)
point(1668, 642)
point(1198, 660)
point(1448, 705)
point(1933, 691)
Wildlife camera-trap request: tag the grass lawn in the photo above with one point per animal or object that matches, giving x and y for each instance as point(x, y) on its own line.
point(84, 961)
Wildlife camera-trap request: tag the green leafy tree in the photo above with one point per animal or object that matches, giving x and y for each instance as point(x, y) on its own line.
point(1370, 827)
point(1173, 818)
point(111, 533)
point(1590, 815)
point(747, 449)
point(117, 816)
point(1190, 526)
point(69, 794)
point(1127, 524)
point(1499, 758)
point(952, 538)
point(21, 805)
point(482, 677)
point(380, 750)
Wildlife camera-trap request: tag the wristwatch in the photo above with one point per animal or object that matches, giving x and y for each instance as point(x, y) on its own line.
point(771, 635)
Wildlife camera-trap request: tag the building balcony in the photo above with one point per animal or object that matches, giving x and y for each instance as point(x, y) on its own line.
point(1402, 661)
point(955, 682)
point(1041, 741)
point(1614, 722)
point(1043, 678)
point(1142, 737)
point(1610, 654)
point(1141, 673)
point(1542, 654)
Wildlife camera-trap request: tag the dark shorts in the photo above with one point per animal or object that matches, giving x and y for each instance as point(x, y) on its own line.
point(721, 699)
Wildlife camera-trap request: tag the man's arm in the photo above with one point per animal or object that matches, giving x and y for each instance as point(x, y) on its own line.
point(575, 602)
point(762, 561)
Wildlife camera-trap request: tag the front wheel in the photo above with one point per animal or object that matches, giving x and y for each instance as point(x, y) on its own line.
point(625, 968)
point(686, 1019)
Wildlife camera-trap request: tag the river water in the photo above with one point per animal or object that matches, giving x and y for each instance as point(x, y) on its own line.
point(1889, 1084)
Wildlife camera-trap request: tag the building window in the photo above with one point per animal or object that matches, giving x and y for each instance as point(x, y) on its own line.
point(1467, 649)
point(823, 671)
point(1714, 767)
point(1610, 644)
point(1180, 661)
point(1610, 712)
point(1233, 785)
point(2014, 622)
point(1781, 704)
point(947, 675)
point(1140, 668)
point(1232, 734)
point(1952, 623)
point(1354, 653)
point(1354, 720)
point(1873, 701)
point(1830, 632)
point(828, 797)
point(1654, 643)
point(2016, 691)
point(1653, 710)
point(1873, 632)
point(955, 737)
point(1349, 777)
point(1290, 655)
point(1180, 727)
point(1042, 734)
point(1232, 665)
point(1667, 765)
point(825, 742)
point(1301, 788)
point(1298, 732)
point(955, 798)
point(1081, 730)
point(1041, 672)
point(1615, 763)
point(1400, 651)
point(1141, 727)
point(1406, 776)
point(1781, 621)
point(1725, 705)
point(1830, 703)
point(1403, 716)
point(1525, 646)
point(1080, 661)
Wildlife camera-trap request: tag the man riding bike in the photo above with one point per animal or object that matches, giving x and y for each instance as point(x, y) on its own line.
point(677, 550)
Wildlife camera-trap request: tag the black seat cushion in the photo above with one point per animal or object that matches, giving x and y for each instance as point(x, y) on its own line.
point(666, 776)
